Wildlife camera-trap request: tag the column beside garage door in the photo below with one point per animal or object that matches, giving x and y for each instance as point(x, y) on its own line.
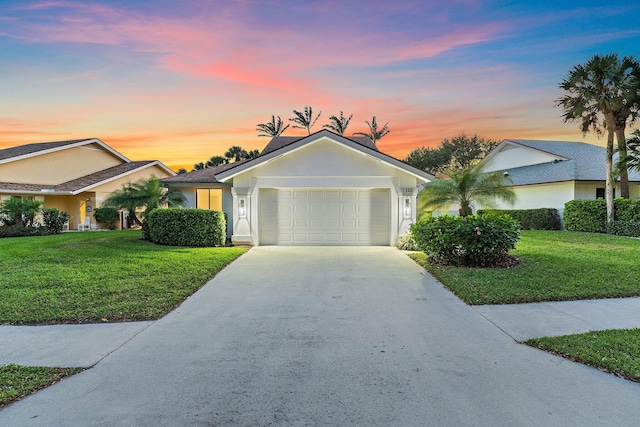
point(324, 216)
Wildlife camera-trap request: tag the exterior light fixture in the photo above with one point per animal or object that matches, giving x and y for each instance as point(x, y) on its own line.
point(242, 209)
point(407, 207)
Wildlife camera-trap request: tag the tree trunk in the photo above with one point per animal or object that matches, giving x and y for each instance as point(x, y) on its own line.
point(609, 167)
point(622, 159)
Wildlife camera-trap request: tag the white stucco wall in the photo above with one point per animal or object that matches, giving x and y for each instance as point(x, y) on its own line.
point(553, 195)
point(322, 164)
point(511, 157)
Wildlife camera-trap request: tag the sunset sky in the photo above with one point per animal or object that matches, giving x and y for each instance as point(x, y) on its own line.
point(181, 81)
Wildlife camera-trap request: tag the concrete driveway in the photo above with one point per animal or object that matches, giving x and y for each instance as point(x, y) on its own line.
point(328, 337)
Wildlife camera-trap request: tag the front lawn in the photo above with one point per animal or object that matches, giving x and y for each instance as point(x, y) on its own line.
point(99, 277)
point(556, 266)
point(614, 351)
point(17, 381)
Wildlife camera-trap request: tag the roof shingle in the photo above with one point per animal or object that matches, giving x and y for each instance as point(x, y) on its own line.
point(22, 150)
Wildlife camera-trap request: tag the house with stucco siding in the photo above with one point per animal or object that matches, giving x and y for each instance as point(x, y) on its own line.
point(547, 174)
point(321, 189)
point(73, 176)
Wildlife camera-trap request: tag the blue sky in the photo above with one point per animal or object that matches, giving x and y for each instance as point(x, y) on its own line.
point(182, 81)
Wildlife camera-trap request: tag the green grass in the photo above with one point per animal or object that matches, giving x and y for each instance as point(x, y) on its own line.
point(556, 266)
point(17, 381)
point(99, 277)
point(614, 351)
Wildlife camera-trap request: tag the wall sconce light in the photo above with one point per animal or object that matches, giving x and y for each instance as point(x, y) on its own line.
point(242, 209)
point(407, 207)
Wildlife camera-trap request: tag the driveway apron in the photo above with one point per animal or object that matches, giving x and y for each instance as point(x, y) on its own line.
point(328, 336)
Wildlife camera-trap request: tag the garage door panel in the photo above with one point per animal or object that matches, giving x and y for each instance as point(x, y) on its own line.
point(324, 216)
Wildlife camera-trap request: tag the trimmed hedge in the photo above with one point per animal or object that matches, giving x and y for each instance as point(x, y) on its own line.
point(16, 230)
point(585, 215)
point(624, 228)
point(530, 219)
point(591, 215)
point(187, 227)
point(472, 241)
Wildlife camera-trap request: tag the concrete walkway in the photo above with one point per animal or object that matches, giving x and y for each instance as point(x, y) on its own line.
point(524, 321)
point(328, 336)
point(64, 345)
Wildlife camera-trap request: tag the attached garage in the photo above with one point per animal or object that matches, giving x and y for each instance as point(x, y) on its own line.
point(320, 189)
point(331, 216)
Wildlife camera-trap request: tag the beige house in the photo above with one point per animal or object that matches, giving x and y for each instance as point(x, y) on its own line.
point(72, 176)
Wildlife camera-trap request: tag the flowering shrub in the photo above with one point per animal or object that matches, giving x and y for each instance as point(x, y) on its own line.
point(472, 241)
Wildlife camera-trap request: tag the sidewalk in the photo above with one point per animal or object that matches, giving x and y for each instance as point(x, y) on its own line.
point(64, 345)
point(524, 321)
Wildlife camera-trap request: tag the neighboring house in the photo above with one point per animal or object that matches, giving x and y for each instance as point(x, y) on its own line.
point(72, 176)
point(322, 189)
point(547, 174)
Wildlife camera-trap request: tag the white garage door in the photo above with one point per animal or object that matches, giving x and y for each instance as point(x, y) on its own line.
point(324, 217)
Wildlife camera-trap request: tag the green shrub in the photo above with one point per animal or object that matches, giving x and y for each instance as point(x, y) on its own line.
point(473, 241)
point(17, 230)
point(591, 215)
point(626, 209)
point(54, 220)
point(187, 227)
point(407, 243)
point(585, 215)
point(530, 219)
point(107, 216)
point(624, 228)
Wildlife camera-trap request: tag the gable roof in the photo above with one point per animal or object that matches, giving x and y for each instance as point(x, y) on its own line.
point(20, 152)
point(357, 144)
point(279, 142)
point(83, 183)
point(575, 161)
point(281, 145)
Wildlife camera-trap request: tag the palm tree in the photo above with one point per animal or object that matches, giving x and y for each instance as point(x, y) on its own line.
point(144, 195)
point(216, 161)
point(465, 188)
point(199, 166)
point(19, 211)
point(627, 79)
point(338, 124)
point(271, 129)
point(375, 134)
point(633, 147)
point(305, 119)
point(593, 90)
point(235, 153)
point(251, 154)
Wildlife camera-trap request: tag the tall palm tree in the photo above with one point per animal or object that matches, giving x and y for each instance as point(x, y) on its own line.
point(627, 79)
point(305, 120)
point(271, 129)
point(338, 124)
point(374, 133)
point(235, 153)
point(593, 90)
point(465, 188)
